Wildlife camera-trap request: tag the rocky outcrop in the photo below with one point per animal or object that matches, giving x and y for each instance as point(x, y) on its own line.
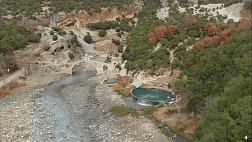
point(81, 18)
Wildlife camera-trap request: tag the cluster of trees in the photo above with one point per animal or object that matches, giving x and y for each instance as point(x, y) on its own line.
point(29, 7)
point(103, 25)
point(12, 38)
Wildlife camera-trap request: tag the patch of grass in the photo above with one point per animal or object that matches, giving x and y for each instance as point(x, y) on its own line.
point(123, 111)
point(148, 112)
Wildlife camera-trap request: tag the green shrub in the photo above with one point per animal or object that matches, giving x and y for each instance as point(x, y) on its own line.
point(169, 85)
point(116, 42)
point(118, 29)
point(120, 49)
point(34, 38)
point(119, 35)
point(118, 66)
point(71, 56)
point(102, 33)
point(51, 32)
point(55, 37)
point(59, 30)
point(87, 38)
point(116, 54)
point(133, 22)
point(62, 33)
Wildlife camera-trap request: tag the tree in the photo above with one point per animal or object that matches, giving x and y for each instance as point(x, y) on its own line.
point(87, 38)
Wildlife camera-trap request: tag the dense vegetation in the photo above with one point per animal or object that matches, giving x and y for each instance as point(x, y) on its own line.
point(12, 38)
point(29, 7)
point(139, 52)
point(223, 73)
point(91, 6)
point(179, 27)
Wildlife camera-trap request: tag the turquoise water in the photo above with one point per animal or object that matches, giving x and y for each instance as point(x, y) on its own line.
point(154, 95)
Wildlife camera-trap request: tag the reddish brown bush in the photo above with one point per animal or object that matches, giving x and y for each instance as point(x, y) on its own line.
point(173, 29)
point(117, 86)
point(159, 32)
point(199, 44)
point(224, 35)
point(152, 37)
point(211, 29)
point(212, 41)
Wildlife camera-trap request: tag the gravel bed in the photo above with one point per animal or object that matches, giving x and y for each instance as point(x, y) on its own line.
point(72, 109)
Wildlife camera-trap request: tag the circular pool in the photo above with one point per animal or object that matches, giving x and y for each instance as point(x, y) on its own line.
point(149, 97)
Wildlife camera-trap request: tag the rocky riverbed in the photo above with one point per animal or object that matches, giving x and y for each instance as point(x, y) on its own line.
point(71, 109)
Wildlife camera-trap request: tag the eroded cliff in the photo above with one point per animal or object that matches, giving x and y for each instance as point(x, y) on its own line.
point(81, 18)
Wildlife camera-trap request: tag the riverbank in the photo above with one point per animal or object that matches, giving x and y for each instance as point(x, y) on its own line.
point(70, 110)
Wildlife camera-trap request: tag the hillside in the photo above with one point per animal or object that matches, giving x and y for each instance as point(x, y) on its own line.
point(30, 7)
point(213, 57)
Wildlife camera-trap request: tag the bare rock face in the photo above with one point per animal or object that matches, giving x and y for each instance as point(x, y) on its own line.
point(81, 18)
